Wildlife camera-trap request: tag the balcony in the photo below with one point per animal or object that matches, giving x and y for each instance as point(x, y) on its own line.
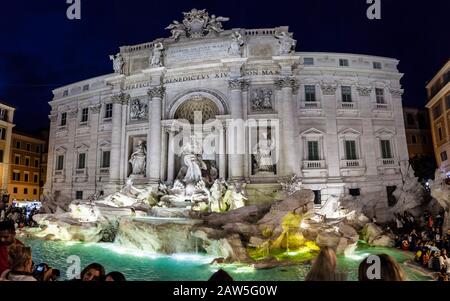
point(381, 106)
point(104, 170)
point(313, 164)
point(347, 109)
point(352, 163)
point(310, 104)
point(310, 108)
point(387, 166)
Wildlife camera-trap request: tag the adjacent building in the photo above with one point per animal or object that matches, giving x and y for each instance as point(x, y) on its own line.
point(418, 133)
point(337, 118)
point(6, 127)
point(439, 110)
point(26, 157)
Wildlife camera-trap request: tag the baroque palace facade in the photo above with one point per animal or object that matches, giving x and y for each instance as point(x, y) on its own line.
point(335, 120)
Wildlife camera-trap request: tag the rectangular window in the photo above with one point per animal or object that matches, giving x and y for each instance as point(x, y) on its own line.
point(376, 65)
point(441, 136)
point(105, 158)
point(16, 176)
point(60, 162)
point(38, 149)
point(317, 197)
point(35, 178)
point(63, 119)
point(1, 156)
point(18, 144)
point(81, 161)
point(36, 163)
point(25, 191)
point(437, 111)
point(79, 195)
point(28, 147)
point(25, 177)
point(343, 62)
point(308, 61)
point(84, 114)
point(350, 150)
point(3, 133)
point(27, 161)
point(447, 101)
point(310, 93)
point(413, 139)
point(15, 190)
point(444, 156)
point(16, 159)
point(85, 87)
point(35, 191)
point(346, 93)
point(390, 195)
point(66, 93)
point(313, 150)
point(3, 114)
point(386, 149)
point(108, 110)
point(379, 95)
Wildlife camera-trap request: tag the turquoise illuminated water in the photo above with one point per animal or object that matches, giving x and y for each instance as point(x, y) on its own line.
point(141, 266)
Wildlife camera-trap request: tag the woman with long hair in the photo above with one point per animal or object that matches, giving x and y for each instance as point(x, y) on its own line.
point(324, 267)
point(389, 269)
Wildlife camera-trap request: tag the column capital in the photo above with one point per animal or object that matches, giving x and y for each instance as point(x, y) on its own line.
point(328, 88)
point(396, 92)
point(286, 82)
point(364, 90)
point(245, 85)
point(95, 109)
point(72, 113)
point(121, 98)
point(235, 83)
point(53, 117)
point(157, 91)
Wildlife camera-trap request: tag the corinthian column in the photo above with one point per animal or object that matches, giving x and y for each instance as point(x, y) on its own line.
point(154, 136)
point(118, 101)
point(288, 124)
point(236, 131)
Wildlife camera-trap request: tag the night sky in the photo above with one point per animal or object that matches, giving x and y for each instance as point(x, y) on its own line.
point(40, 49)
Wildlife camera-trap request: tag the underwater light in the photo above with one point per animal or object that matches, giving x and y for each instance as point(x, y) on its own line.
point(192, 257)
point(129, 251)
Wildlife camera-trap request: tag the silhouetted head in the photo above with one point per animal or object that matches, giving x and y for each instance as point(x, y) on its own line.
point(220, 275)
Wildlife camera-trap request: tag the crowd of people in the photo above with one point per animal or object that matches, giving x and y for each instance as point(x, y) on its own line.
point(427, 240)
point(21, 216)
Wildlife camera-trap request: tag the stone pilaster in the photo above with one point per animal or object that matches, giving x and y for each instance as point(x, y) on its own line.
point(92, 165)
point(170, 156)
point(154, 136)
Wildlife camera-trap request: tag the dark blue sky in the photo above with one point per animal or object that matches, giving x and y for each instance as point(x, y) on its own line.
point(40, 49)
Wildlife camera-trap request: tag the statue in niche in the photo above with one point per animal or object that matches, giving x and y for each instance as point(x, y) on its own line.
point(138, 110)
point(263, 153)
point(236, 44)
point(138, 159)
point(261, 99)
point(156, 60)
point(193, 163)
point(287, 43)
point(117, 63)
point(177, 30)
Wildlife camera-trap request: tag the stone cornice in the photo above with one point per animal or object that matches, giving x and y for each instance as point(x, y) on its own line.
point(53, 117)
point(157, 91)
point(396, 92)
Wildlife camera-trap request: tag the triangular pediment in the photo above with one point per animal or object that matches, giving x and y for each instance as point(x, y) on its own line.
point(349, 131)
point(60, 149)
point(312, 132)
point(384, 132)
point(82, 147)
point(104, 143)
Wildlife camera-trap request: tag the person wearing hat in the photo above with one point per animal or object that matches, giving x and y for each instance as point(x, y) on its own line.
point(7, 238)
